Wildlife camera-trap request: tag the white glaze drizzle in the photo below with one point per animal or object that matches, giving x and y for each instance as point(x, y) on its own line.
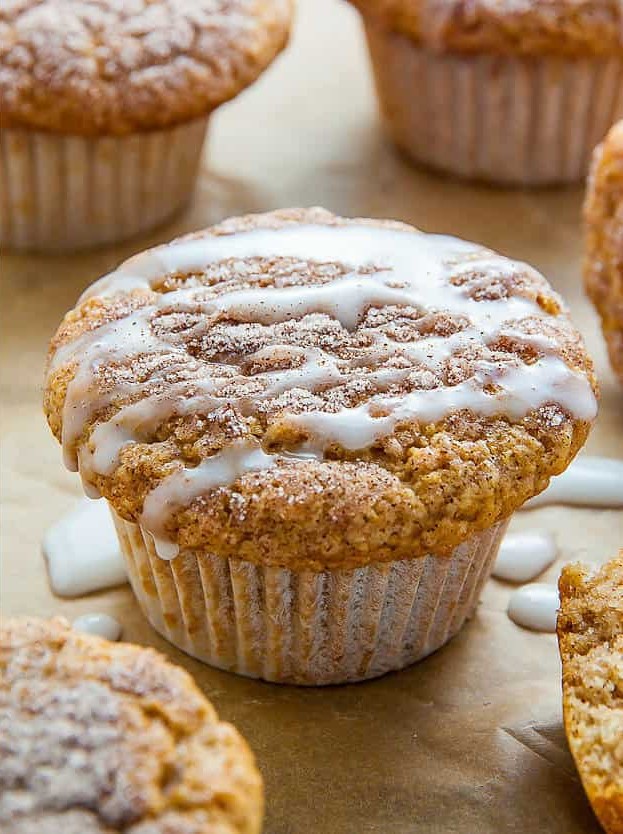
point(386, 267)
point(524, 556)
point(82, 551)
point(518, 392)
point(535, 607)
point(100, 625)
point(184, 485)
point(587, 482)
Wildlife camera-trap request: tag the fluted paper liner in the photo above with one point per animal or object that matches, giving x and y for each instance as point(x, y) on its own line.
point(62, 192)
point(505, 119)
point(307, 627)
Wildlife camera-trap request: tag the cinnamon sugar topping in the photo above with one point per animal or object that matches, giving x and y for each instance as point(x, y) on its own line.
point(115, 66)
point(312, 339)
point(103, 738)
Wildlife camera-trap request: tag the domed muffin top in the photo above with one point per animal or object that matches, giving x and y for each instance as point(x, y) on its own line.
point(100, 738)
point(118, 66)
point(603, 218)
point(517, 27)
point(296, 388)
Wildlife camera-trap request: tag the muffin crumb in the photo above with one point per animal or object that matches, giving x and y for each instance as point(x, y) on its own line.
point(590, 636)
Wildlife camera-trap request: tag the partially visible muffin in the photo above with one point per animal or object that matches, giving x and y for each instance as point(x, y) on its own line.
point(514, 91)
point(103, 738)
point(590, 636)
point(104, 106)
point(603, 266)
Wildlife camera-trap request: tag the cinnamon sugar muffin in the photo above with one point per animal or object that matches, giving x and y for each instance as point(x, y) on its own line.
point(509, 91)
point(312, 432)
point(590, 635)
point(603, 266)
point(100, 738)
point(104, 106)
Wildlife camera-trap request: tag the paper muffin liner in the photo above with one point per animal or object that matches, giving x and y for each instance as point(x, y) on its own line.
point(307, 627)
point(503, 119)
point(60, 192)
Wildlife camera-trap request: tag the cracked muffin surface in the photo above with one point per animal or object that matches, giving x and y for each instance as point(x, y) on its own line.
point(120, 66)
point(572, 28)
point(293, 407)
point(603, 264)
point(102, 738)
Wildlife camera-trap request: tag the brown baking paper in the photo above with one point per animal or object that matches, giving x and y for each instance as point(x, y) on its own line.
point(469, 740)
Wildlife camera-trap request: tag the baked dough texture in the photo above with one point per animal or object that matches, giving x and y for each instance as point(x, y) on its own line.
point(603, 266)
point(95, 67)
point(422, 488)
point(571, 28)
point(102, 738)
point(590, 636)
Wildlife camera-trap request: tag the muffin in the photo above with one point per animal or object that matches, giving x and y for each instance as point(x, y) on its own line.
point(590, 635)
point(312, 431)
point(99, 738)
point(104, 107)
point(603, 265)
point(514, 92)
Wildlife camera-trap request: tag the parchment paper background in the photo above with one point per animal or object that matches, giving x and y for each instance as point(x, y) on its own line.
point(470, 740)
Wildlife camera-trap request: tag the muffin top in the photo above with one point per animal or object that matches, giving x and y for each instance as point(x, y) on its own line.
point(516, 27)
point(603, 266)
point(294, 388)
point(116, 66)
point(100, 738)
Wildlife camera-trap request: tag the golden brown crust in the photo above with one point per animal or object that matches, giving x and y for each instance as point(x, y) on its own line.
point(102, 738)
point(423, 488)
point(590, 636)
point(110, 67)
point(603, 264)
point(513, 27)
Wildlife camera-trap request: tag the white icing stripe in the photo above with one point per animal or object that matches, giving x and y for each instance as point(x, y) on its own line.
point(347, 300)
point(353, 246)
point(412, 270)
point(118, 340)
point(520, 390)
point(184, 485)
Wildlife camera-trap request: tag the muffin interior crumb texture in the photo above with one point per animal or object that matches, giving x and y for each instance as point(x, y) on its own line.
point(101, 738)
point(117, 66)
point(296, 388)
point(590, 634)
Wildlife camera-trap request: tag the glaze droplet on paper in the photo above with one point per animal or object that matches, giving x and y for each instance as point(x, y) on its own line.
point(524, 556)
point(535, 607)
point(100, 625)
point(587, 482)
point(82, 551)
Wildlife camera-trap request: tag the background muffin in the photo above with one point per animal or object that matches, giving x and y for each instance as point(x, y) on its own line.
point(104, 106)
point(100, 737)
point(590, 635)
point(509, 92)
point(603, 267)
point(290, 412)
